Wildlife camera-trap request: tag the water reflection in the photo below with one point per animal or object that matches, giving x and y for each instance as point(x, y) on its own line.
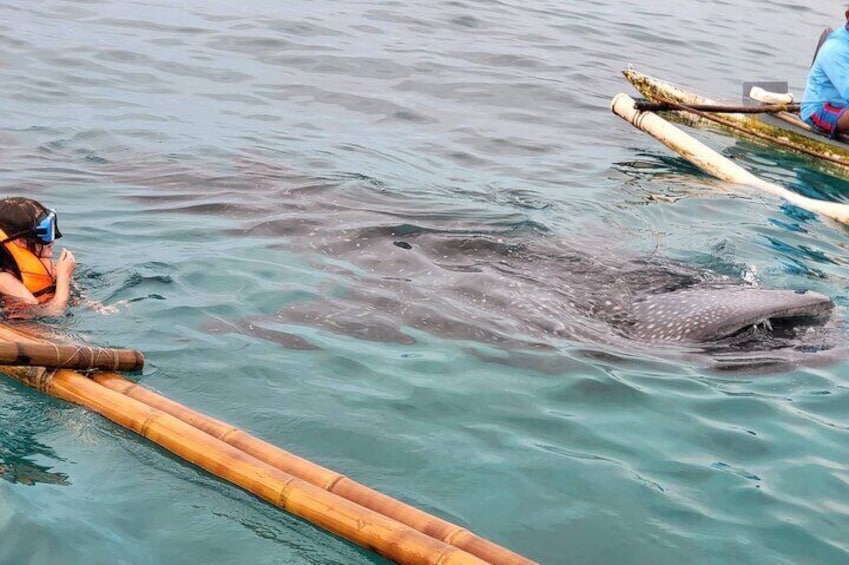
point(22, 470)
point(22, 455)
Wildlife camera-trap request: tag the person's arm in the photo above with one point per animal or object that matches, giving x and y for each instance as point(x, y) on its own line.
point(835, 65)
point(22, 303)
point(65, 267)
point(13, 289)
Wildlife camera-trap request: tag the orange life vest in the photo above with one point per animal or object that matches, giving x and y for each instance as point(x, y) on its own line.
point(34, 274)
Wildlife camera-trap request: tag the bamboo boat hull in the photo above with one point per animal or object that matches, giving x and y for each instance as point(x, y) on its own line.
point(824, 152)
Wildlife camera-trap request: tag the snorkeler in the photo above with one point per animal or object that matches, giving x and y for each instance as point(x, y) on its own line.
point(29, 279)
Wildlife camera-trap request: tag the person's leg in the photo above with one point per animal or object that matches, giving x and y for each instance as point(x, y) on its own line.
point(843, 121)
point(832, 119)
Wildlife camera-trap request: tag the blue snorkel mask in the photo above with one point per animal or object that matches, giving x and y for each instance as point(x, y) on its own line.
point(47, 227)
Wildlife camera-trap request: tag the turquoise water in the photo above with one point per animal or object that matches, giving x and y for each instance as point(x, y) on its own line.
point(234, 179)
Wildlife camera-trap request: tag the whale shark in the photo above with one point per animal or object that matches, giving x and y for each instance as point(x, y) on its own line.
point(397, 266)
point(514, 285)
point(535, 292)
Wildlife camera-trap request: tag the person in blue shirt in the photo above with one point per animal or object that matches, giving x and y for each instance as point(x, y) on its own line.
point(826, 99)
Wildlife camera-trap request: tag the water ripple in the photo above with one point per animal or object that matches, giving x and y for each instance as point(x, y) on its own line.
point(352, 228)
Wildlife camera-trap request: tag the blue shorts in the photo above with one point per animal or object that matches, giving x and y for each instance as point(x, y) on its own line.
point(826, 117)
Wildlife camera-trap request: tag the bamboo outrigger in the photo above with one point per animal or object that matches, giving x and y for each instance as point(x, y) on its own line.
point(781, 129)
point(712, 162)
point(70, 356)
point(328, 499)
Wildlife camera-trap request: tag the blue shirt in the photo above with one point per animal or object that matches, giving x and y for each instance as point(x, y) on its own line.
point(828, 80)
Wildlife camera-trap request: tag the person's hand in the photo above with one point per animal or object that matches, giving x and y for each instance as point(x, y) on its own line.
point(66, 264)
point(100, 308)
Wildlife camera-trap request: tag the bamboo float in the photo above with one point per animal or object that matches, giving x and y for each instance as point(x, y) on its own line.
point(70, 356)
point(715, 164)
point(468, 545)
point(340, 516)
point(319, 476)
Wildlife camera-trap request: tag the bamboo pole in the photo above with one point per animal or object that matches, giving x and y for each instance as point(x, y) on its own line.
point(336, 484)
point(666, 106)
point(319, 476)
point(715, 164)
point(369, 529)
point(70, 356)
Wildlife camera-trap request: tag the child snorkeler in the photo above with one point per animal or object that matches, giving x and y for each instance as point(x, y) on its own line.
point(30, 281)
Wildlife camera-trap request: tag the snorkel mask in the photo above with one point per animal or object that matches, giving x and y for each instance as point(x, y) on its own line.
point(47, 227)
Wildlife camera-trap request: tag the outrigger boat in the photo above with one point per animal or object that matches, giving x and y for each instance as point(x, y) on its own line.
point(779, 127)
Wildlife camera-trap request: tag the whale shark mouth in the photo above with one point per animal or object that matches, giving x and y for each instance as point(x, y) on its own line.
point(725, 314)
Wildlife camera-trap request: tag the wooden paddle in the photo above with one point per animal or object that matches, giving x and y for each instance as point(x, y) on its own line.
point(645, 106)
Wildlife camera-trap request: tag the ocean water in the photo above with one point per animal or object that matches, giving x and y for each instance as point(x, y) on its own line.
point(341, 227)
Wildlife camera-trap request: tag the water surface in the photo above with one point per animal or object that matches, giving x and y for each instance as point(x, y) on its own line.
point(216, 165)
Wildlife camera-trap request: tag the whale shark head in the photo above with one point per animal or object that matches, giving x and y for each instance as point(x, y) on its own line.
point(705, 315)
point(737, 328)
